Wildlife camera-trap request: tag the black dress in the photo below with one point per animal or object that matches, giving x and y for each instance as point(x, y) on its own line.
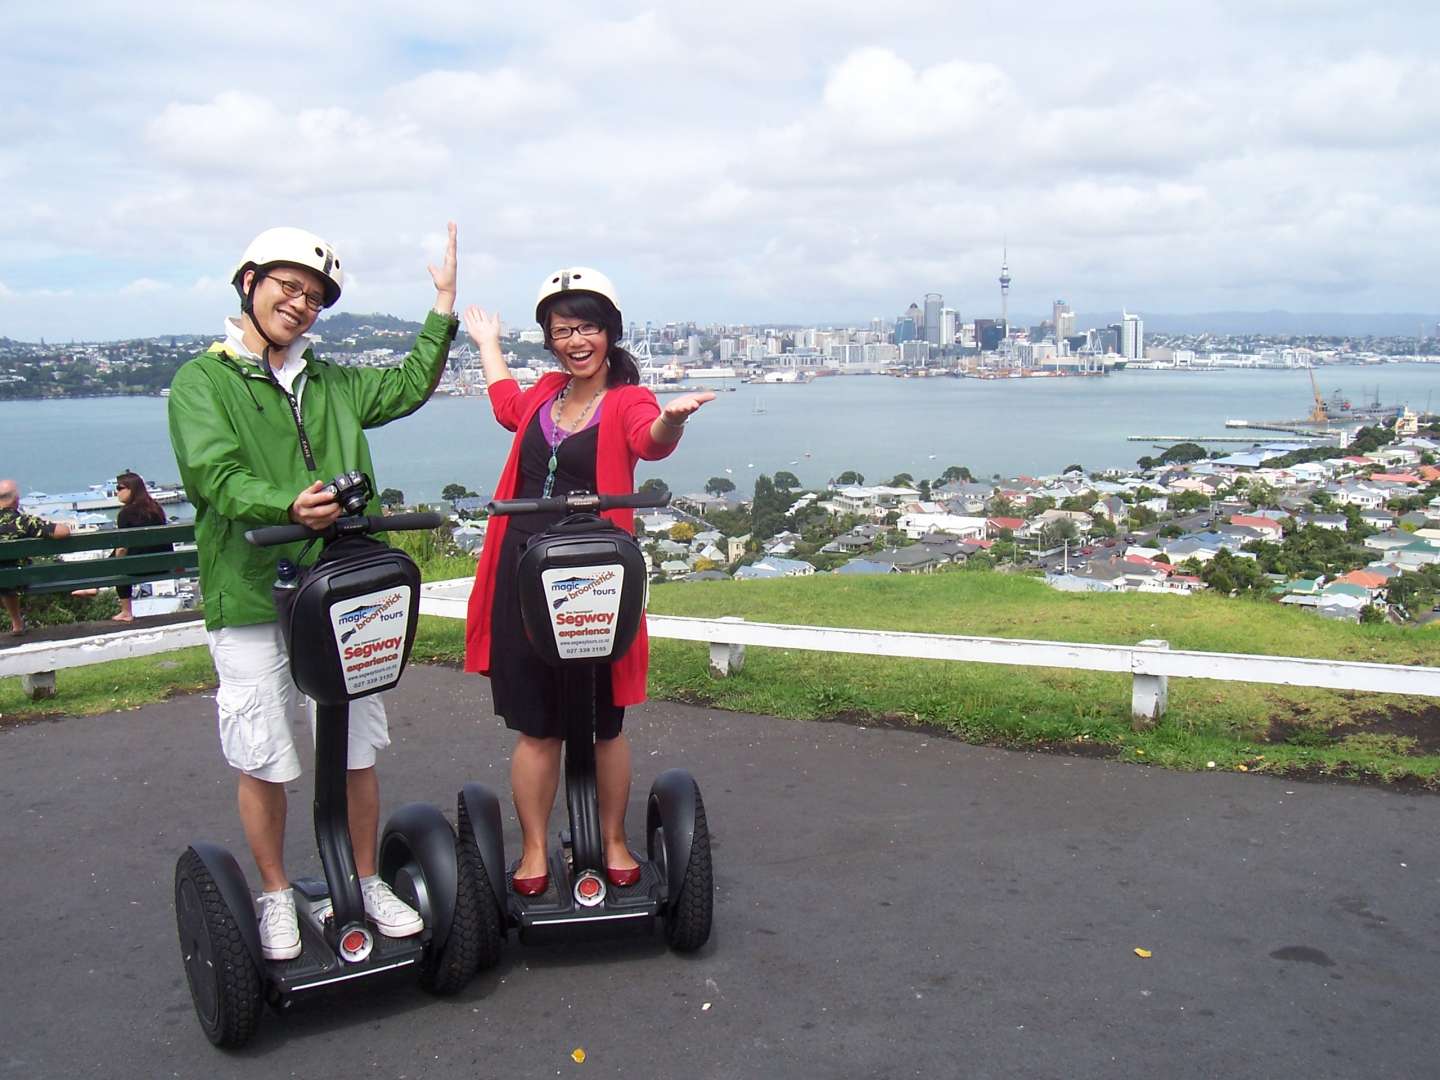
point(526, 690)
point(135, 517)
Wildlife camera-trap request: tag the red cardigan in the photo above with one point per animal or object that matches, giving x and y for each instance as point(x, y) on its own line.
point(626, 414)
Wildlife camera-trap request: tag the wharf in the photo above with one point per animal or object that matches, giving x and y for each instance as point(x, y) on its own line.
point(1248, 440)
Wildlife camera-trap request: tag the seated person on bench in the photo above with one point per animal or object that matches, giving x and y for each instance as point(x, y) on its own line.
point(15, 524)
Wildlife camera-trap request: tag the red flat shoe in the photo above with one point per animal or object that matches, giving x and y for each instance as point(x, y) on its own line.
point(530, 886)
point(621, 878)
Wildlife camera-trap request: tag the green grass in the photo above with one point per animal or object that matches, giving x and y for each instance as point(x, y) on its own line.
point(1293, 731)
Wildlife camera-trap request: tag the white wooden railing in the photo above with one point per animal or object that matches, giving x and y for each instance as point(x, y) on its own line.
point(1150, 663)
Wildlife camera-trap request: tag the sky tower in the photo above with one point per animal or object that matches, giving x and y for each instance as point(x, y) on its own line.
point(1005, 289)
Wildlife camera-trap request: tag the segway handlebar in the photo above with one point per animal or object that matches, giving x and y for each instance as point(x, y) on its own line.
point(579, 502)
point(359, 524)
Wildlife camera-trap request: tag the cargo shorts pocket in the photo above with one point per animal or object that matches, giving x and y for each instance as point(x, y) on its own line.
point(255, 729)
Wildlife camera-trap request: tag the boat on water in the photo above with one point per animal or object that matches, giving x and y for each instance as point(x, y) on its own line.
point(95, 497)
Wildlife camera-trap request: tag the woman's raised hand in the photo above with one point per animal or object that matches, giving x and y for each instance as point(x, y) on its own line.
point(444, 275)
point(483, 328)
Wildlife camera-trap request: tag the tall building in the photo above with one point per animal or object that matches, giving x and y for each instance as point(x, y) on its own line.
point(933, 303)
point(988, 334)
point(947, 327)
point(1064, 319)
point(905, 329)
point(1132, 330)
point(1005, 287)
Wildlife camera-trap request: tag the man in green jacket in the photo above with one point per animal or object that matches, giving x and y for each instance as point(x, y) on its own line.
point(259, 426)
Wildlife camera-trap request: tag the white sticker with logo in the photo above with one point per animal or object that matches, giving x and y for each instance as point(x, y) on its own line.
point(370, 634)
point(584, 608)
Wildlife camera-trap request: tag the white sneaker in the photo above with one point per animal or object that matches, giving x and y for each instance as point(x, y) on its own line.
point(279, 928)
point(393, 917)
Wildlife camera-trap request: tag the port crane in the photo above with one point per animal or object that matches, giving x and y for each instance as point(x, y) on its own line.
point(1318, 415)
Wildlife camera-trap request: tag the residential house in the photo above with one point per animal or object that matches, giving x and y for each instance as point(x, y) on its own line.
point(771, 566)
point(917, 525)
point(1267, 528)
point(866, 566)
point(1111, 507)
point(1333, 522)
point(1378, 518)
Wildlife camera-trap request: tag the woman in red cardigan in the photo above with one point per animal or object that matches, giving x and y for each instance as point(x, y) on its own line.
point(579, 429)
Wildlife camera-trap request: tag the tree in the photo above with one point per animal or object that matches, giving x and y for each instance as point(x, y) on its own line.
point(719, 485)
point(850, 476)
point(1188, 501)
point(1183, 452)
point(1370, 614)
point(655, 486)
point(682, 532)
point(1073, 468)
point(767, 509)
point(953, 473)
point(392, 497)
point(903, 479)
point(454, 492)
point(786, 481)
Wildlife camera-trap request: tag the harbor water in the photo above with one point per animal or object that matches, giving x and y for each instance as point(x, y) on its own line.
point(876, 425)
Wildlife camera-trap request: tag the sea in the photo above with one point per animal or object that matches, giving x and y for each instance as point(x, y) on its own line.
point(875, 425)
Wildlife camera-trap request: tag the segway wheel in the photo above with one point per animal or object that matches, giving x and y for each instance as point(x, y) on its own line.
point(688, 915)
point(474, 931)
point(223, 981)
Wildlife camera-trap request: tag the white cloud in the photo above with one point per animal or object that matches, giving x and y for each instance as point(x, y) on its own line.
point(504, 98)
point(141, 286)
point(881, 98)
point(325, 148)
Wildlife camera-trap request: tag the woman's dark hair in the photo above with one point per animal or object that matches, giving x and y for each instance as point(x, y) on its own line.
point(588, 307)
point(140, 497)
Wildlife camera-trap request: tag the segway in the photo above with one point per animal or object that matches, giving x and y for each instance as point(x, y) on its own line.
point(582, 595)
point(349, 623)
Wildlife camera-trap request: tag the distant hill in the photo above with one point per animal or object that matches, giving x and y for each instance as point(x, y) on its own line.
point(345, 323)
point(1290, 323)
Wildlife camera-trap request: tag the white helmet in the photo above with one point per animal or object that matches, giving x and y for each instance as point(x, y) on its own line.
point(577, 279)
point(292, 247)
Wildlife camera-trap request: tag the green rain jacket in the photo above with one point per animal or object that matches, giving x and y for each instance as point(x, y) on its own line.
point(241, 459)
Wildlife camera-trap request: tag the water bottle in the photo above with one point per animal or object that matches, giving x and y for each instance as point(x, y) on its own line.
point(287, 584)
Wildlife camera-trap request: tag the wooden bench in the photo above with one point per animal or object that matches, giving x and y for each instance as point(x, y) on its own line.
point(58, 575)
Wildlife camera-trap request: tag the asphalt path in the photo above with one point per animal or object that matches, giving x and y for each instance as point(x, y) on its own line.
point(888, 904)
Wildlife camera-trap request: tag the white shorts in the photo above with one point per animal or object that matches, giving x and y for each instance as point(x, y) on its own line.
point(259, 704)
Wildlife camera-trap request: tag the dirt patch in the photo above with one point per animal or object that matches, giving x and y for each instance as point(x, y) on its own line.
point(1418, 726)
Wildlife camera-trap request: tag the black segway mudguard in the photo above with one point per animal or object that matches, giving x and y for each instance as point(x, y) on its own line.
point(672, 805)
point(482, 811)
point(230, 880)
point(420, 832)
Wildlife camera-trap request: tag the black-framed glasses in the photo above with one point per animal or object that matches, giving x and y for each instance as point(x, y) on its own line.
point(293, 289)
point(585, 329)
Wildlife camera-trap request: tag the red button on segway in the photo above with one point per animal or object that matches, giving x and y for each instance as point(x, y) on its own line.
point(353, 942)
point(588, 887)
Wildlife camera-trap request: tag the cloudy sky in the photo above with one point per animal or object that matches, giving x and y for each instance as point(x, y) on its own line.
point(765, 160)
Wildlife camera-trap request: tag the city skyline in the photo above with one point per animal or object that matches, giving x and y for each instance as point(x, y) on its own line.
point(792, 163)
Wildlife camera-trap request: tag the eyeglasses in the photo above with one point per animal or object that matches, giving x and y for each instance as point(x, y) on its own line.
point(292, 289)
point(585, 329)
